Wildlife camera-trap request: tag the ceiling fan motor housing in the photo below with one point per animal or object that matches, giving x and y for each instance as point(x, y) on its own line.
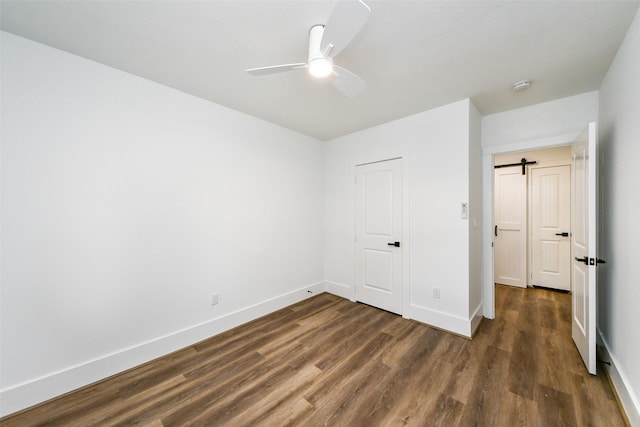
point(320, 65)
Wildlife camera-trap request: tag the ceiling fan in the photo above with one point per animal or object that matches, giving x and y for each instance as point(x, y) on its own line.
point(325, 42)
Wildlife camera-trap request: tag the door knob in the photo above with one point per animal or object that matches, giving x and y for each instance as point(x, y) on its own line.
point(396, 244)
point(563, 234)
point(583, 259)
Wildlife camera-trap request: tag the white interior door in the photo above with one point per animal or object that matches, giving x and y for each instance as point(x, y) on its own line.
point(550, 227)
point(583, 244)
point(510, 232)
point(378, 234)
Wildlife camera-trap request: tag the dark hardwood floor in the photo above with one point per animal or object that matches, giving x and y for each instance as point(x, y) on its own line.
point(328, 361)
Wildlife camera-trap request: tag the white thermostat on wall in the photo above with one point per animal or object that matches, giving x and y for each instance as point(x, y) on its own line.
point(464, 211)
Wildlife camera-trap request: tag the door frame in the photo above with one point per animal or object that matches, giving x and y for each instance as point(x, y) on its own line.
point(488, 153)
point(406, 243)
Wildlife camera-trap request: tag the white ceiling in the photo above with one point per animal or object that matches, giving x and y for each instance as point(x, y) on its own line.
point(414, 55)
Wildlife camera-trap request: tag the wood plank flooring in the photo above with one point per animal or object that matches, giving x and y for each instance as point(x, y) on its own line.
point(328, 361)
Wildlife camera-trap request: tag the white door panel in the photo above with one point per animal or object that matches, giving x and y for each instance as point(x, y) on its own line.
point(583, 245)
point(378, 270)
point(378, 227)
point(378, 201)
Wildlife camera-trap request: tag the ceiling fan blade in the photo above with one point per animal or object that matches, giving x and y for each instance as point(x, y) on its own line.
point(261, 71)
point(347, 82)
point(345, 22)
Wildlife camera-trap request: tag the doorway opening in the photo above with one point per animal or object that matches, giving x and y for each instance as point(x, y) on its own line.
point(532, 218)
point(583, 239)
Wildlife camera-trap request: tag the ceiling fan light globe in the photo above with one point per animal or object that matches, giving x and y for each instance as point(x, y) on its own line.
point(321, 67)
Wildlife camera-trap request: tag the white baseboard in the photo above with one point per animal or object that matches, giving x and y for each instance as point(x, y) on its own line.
point(455, 324)
point(476, 318)
point(41, 389)
point(621, 383)
point(445, 321)
point(339, 289)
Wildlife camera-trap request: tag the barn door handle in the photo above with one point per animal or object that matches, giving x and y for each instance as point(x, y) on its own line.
point(583, 259)
point(396, 244)
point(563, 234)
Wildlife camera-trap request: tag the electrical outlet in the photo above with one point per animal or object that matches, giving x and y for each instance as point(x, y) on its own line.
point(436, 293)
point(214, 299)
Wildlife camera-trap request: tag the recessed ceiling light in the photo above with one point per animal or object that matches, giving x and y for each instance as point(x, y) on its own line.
point(521, 85)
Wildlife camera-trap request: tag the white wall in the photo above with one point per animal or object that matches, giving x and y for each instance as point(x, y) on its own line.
point(619, 230)
point(125, 205)
point(541, 124)
point(435, 145)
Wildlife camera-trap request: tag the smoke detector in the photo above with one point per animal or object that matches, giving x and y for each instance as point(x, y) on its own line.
point(521, 85)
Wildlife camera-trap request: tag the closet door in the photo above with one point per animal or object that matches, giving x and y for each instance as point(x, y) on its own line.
point(378, 234)
point(510, 232)
point(551, 226)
